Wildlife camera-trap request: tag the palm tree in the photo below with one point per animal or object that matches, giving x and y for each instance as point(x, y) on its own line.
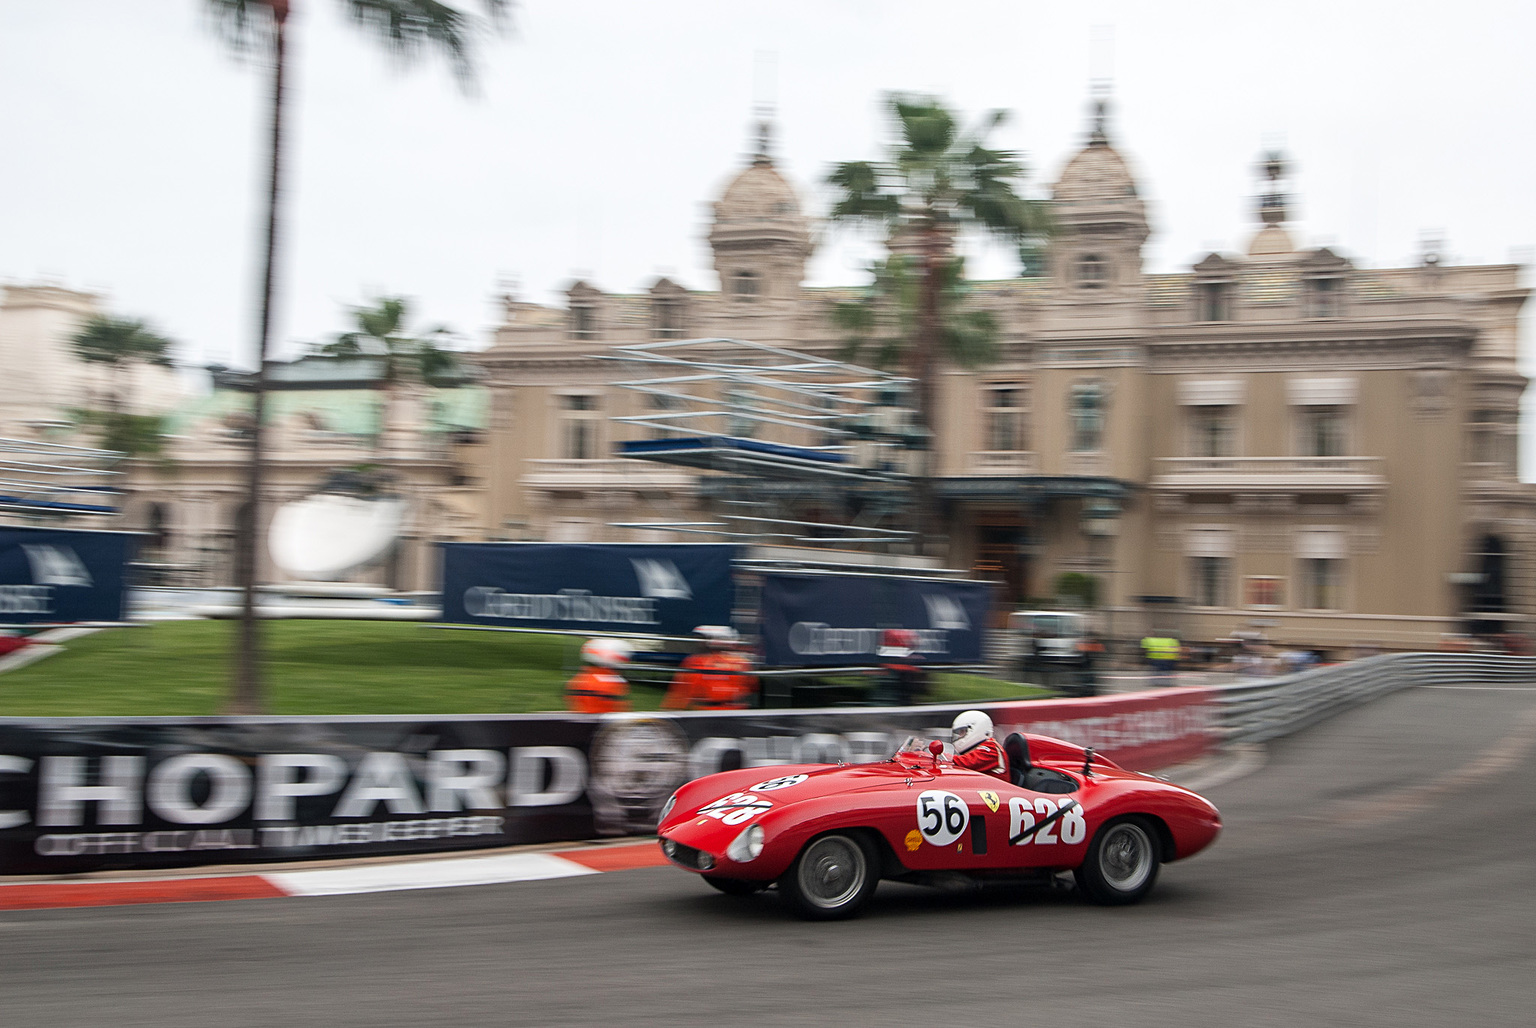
point(381, 336)
point(259, 28)
point(934, 182)
point(119, 344)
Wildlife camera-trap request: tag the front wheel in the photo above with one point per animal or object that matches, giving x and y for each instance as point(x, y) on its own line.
point(734, 886)
point(1121, 866)
point(833, 877)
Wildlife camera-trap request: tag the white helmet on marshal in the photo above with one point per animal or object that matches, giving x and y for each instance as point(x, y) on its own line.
point(718, 637)
point(969, 729)
point(605, 652)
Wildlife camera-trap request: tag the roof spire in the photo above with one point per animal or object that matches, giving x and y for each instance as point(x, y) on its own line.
point(1101, 72)
point(764, 86)
point(764, 135)
point(1098, 134)
point(1274, 204)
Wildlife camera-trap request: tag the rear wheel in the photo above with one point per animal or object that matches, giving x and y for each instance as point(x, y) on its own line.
point(833, 877)
point(734, 886)
point(1121, 866)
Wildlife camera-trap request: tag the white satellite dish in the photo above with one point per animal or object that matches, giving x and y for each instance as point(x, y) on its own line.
point(325, 535)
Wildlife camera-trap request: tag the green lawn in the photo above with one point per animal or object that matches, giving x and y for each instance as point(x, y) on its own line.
point(332, 667)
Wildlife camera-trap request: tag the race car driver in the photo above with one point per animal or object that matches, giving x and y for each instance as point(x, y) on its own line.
point(716, 678)
point(975, 748)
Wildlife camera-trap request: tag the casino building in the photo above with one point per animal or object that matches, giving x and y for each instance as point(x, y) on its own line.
point(1273, 440)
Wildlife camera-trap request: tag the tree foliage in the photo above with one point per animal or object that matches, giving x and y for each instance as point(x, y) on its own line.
point(937, 178)
point(381, 334)
point(878, 326)
point(119, 342)
point(133, 435)
point(405, 27)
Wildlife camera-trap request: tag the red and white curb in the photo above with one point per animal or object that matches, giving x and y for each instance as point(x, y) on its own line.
point(494, 869)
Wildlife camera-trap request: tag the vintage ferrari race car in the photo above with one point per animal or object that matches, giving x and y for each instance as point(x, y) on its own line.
point(826, 834)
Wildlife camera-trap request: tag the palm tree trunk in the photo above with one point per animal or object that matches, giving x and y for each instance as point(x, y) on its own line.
point(248, 695)
point(922, 369)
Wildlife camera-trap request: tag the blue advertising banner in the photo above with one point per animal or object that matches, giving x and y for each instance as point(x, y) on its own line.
point(599, 588)
point(52, 575)
point(837, 620)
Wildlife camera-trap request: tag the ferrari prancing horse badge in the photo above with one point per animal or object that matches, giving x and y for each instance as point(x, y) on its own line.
point(991, 799)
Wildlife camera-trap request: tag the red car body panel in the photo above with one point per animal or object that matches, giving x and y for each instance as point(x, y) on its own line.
point(927, 811)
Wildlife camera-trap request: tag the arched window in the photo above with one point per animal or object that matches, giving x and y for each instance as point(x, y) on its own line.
point(1086, 409)
point(1092, 271)
point(745, 286)
point(157, 527)
point(1488, 596)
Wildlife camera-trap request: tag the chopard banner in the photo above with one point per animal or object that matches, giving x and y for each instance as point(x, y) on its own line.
point(830, 620)
point(588, 587)
point(51, 575)
point(81, 794)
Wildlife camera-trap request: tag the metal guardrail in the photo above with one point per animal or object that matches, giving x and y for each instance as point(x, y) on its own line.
point(1256, 711)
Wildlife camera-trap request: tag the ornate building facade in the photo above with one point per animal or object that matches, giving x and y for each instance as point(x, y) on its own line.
point(1274, 439)
point(325, 416)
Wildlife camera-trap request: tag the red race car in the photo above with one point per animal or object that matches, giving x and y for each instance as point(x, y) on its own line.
point(826, 834)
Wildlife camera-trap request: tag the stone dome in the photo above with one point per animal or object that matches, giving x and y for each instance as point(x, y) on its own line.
point(758, 195)
point(1271, 242)
point(1097, 173)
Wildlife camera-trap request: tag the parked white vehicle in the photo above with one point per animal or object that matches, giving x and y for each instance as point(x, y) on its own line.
point(1057, 648)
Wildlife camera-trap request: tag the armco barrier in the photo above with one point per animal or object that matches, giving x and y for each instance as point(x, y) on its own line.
point(1258, 710)
point(79, 794)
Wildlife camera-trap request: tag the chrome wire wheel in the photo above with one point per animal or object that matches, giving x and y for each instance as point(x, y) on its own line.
point(832, 872)
point(1126, 857)
point(1122, 861)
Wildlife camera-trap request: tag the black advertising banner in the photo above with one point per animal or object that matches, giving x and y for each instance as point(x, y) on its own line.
point(52, 575)
point(82, 794)
point(588, 587)
point(837, 620)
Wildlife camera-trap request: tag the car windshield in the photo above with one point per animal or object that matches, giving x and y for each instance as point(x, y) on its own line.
point(1054, 625)
point(913, 745)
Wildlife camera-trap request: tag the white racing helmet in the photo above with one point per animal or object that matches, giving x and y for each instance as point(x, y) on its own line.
point(969, 729)
point(718, 637)
point(605, 652)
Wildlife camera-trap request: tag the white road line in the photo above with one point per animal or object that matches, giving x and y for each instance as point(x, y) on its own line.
point(1484, 688)
point(428, 874)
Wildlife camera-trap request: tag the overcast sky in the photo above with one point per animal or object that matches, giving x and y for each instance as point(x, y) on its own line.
point(130, 157)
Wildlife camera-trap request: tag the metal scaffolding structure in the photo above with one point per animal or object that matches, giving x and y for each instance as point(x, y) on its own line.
point(797, 450)
point(42, 479)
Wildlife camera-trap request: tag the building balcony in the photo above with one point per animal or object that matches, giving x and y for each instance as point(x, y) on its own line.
point(1347, 475)
point(1002, 462)
point(568, 475)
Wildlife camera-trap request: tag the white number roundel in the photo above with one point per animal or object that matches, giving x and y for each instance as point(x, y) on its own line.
point(736, 808)
point(779, 783)
point(942, 817)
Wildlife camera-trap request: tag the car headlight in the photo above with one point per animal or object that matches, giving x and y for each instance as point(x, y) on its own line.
point(667, 808)
point(746, 846)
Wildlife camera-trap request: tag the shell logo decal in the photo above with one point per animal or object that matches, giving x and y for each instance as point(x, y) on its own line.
point(914, 840)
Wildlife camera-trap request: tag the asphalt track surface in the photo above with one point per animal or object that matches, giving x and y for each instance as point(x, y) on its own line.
point(1376, 871)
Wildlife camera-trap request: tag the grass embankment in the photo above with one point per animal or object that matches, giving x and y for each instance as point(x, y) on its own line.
point(331, 667)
